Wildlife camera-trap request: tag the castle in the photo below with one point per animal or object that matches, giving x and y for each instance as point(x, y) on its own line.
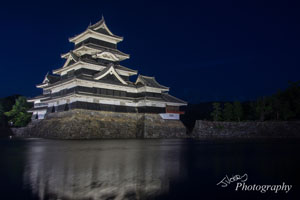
point(92, 78)
point(92, 96)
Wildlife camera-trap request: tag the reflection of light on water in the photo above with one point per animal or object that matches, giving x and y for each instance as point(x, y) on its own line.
point(117, 169)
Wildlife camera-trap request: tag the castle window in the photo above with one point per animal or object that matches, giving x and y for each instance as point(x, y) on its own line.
point(123, 94)
point(66, 107)
point(116, 93)
point(110, 92)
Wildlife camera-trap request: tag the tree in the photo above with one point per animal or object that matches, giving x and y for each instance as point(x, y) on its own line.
point(228, 112)
point(276, 101)
point(286, 112)
point(8, 102)
point(216, 113)
point(263, 108)
point(18, 115)
point(2, 116)
point(291, 99)
point(238, 111)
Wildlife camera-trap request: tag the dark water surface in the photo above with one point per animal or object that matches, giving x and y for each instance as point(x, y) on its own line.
point(145, 169)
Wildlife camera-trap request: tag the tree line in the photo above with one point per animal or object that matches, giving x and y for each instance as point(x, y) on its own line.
point(283, 105)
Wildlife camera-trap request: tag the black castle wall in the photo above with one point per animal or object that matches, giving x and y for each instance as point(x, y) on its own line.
point(105, 107)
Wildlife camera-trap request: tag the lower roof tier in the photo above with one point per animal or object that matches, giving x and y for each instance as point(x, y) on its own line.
point(99, 107)
point(109, 96)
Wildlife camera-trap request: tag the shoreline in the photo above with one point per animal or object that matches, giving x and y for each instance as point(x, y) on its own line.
point(187, 141)
point(191, 138)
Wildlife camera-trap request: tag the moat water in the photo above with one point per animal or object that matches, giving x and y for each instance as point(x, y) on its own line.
point(146, 169)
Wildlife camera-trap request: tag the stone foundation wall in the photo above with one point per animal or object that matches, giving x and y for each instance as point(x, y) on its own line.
point(156, 127)
point(84, 124)
point(270, 129)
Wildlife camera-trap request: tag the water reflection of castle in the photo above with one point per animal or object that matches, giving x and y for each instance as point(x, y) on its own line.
point(101, 169)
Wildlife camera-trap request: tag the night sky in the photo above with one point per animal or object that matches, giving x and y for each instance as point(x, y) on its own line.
point(203, 50)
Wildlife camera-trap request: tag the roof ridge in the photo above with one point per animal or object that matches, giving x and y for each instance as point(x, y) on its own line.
point(118, 65)
point(98, 23)
point(74, 56)
point(109, 69)
point(147, 76)
point(166, 93)
point(91, 45)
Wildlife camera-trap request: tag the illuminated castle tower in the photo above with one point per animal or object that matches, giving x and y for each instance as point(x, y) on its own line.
point(93, 79)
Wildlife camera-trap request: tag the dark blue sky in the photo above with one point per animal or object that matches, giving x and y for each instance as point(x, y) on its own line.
point(203, 50)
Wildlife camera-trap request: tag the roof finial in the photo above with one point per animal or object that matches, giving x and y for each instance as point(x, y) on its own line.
point(102, 17)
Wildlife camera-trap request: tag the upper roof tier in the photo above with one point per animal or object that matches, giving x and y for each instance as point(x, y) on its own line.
point(98, 52)
point(98, 31)
point(95, 62)
point(48, 80)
